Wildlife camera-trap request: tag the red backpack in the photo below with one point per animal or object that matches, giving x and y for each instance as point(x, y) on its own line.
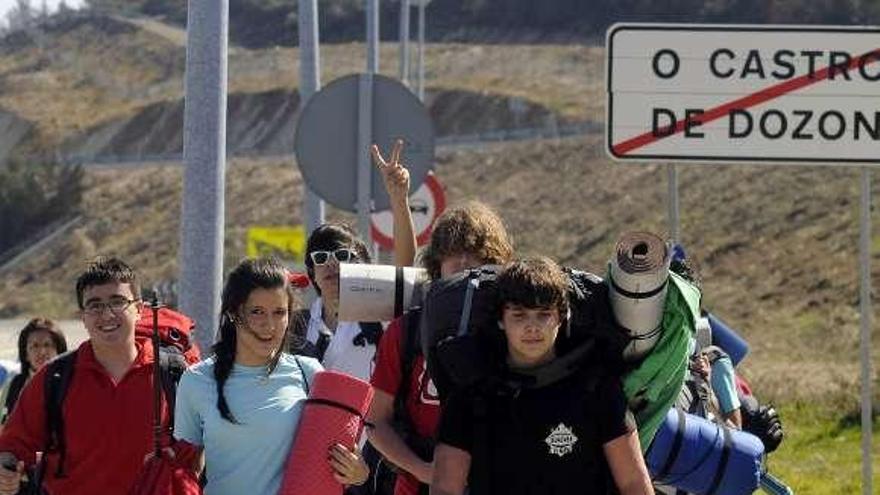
point(175, 329)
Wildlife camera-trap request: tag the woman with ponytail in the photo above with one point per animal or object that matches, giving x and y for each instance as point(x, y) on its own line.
point(242, 404)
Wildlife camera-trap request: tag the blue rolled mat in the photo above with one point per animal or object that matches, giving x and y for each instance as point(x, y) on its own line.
point(726, 338)
point(698, 456)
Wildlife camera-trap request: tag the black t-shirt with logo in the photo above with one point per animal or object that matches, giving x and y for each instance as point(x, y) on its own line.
point(538, 441)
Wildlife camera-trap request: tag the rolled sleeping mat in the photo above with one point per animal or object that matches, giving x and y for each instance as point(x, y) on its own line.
point(701, 457)
point(726, 338)
point(639, 274)
point(377, 292)
point(333, 413)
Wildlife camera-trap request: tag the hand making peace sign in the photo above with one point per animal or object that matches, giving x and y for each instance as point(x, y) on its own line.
point(394, 173)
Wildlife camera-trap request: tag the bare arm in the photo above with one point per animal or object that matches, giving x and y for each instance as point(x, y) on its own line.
point(396, 178)
point(451, 468)
point(389, 443)
point(627, 465)
point(734, 418)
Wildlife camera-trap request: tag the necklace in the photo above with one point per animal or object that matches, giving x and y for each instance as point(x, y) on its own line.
point(263, 378)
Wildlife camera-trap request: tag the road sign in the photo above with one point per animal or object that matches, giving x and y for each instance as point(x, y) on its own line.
point(327, 136)
point(743, 93)
point(426, 204)
point(284, 243)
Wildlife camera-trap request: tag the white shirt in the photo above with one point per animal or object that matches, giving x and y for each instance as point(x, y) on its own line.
point(342, 354)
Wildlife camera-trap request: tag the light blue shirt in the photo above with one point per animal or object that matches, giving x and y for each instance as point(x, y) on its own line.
point(248, 457)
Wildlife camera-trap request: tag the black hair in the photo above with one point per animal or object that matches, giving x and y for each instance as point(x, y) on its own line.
point(105, 271)
point(250, 274)
point(39, 325)
point(331, 236)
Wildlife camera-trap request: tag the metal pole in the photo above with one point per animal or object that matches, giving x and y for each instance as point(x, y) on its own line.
point(365, 139)
point(404, 41)
point(421, 51)
point(204, 151)
point(865, 332)
point(309, 84)
point(672, 174)
point(372, 36)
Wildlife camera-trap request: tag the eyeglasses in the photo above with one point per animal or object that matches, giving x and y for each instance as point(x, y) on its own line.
point(116, 306)
point(342, 255)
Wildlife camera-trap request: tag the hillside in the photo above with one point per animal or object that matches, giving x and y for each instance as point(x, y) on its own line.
point(777, 246)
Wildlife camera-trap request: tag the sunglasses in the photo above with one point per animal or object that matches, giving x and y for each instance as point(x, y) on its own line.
point(342, 255)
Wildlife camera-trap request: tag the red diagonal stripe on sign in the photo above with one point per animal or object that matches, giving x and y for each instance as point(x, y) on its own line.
point(751, 100)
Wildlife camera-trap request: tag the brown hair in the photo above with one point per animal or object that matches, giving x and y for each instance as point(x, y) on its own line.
point(472, 228)
point(534, 283)
point(106, 271)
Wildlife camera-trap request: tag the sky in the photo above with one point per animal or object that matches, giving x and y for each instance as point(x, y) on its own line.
point(5, 5)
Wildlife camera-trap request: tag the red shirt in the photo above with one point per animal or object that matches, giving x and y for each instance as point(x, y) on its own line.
point(423, 403)
point(108, 426)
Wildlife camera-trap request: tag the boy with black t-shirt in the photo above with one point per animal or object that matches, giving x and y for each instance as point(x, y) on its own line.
point(573, 435)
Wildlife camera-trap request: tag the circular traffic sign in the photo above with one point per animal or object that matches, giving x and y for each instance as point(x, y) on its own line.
point(426, 204)
point(326, 139)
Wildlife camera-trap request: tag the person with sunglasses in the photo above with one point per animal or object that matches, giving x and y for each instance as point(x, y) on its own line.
point(108, 408)
point(348, 346)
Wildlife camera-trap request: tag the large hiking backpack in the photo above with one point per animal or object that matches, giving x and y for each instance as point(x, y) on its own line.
point(175, 330)
point(462, 343)
point(174, 356)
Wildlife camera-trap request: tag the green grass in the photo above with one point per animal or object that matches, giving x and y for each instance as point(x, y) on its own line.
point(821, 453)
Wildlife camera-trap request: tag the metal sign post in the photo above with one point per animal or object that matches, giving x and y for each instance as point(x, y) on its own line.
point(421, 51)
point(309, 84)
point(364, 141)
point(404, 41)
point(372, 36)
point(865, 330)
point(204, 151)
point(672, 179)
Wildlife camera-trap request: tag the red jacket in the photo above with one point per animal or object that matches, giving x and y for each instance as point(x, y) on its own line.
point(108, 427)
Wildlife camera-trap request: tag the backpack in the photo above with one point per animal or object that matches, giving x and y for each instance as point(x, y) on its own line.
point(174, 356)
point(175, 330)
point(299, 344)
point(462, 343)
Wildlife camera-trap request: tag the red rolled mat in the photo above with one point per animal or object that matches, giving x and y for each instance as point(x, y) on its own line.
point(333, 414)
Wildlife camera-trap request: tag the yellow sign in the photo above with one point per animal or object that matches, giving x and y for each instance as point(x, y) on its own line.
point(284, 243)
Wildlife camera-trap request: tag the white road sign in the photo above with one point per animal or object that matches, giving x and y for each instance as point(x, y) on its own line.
point(426, 204)
point(743, 93)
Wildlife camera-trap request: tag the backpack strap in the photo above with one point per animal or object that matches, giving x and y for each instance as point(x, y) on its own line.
point(297, 339)
point(303, 373)
point(15, 387)
point(409, 351)
point(58, 378)
point(172, 364)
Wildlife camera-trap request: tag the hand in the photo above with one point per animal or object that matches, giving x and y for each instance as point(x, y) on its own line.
point(425, 473)
point(348, 465)
point(10, 480)
point(394, 173)
point(701, 366)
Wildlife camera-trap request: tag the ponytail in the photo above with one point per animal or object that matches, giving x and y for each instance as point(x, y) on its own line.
point(224, 352)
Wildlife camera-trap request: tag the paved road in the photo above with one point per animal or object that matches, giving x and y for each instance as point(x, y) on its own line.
point(9, 329)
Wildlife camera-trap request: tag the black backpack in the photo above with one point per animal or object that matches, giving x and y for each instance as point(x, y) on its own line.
point(463, 345)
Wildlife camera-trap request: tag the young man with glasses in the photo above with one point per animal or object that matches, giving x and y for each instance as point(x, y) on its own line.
point(108, 407)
